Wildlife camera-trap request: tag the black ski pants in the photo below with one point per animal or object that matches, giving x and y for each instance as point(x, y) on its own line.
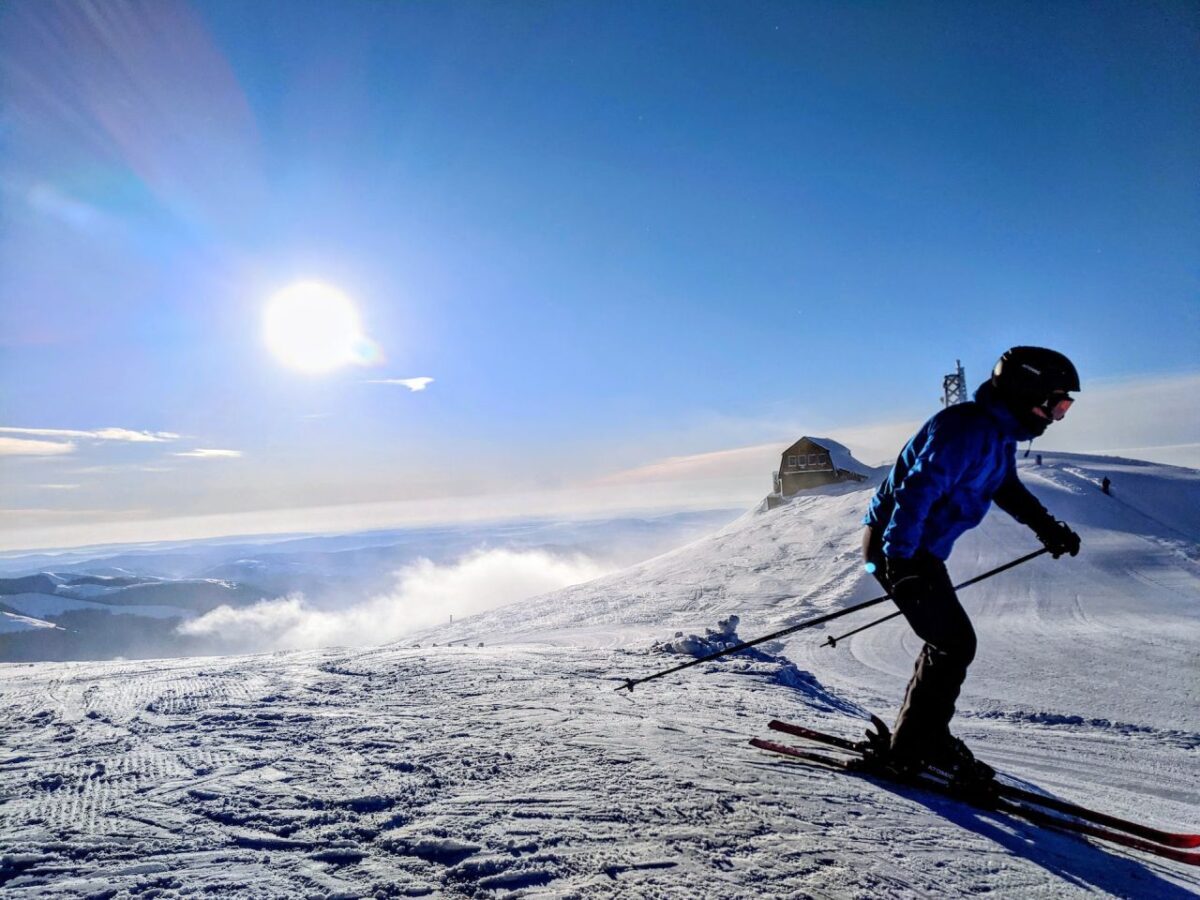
point(940, 621)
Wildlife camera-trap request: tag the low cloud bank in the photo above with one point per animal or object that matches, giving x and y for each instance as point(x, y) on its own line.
point(22, 447)
point(426, 594)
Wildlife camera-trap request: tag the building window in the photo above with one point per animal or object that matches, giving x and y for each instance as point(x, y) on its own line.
point(812, 459)
point(823, 459)
point(791, 462)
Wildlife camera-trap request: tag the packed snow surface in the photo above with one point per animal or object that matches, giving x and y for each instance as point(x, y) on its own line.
point(515, 769)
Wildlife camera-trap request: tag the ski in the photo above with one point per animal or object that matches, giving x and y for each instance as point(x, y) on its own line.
point(1011, 792)
point(997, 803)
point(797, 753)
point(1169, 838)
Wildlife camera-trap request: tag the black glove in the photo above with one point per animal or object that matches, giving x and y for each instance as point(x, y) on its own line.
point(907, 581)
point(1058, 538)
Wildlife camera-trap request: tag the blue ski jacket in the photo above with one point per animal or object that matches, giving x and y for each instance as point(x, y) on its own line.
point(947, 476)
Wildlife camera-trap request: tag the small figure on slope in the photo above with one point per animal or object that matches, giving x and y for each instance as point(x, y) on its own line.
point(942, 484)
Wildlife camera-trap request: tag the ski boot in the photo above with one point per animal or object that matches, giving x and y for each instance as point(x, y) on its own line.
point(878, 758)
point(967, 777)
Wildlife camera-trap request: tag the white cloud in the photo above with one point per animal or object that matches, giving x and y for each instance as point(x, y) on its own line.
point(137, 437)
point(413, 384)
point(99, 434)
point(739, 462)
point(123, 468)
point(73, 515)
point(209, 453)
point(58, 487)
point(1156, 419)
point(425, 594)
point(19, 447)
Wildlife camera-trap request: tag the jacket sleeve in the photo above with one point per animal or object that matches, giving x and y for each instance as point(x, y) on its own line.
point(939, 464)
point(1016, 500)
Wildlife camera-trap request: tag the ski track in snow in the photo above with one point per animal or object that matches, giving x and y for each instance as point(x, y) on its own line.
point(481, 772)
point(516, 769)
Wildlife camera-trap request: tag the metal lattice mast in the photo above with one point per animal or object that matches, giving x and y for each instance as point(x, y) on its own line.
point(954, 386)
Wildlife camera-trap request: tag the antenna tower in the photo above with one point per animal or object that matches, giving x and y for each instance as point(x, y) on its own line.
point(954, 386)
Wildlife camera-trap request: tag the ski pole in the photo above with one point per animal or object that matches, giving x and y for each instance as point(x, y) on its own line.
point(630, 683)
point(832, 641)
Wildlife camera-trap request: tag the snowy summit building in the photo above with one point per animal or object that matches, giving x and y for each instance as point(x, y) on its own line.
point(812, 462)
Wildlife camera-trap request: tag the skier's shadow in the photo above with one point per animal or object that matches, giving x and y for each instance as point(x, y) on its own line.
point(1083, 864)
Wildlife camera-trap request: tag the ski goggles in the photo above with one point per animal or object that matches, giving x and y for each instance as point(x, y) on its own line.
point(1056, 406)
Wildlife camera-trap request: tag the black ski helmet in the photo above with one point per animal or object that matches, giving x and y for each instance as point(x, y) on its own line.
point(1027, 377)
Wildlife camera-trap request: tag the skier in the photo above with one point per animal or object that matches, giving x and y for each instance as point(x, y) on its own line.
point(941, 485)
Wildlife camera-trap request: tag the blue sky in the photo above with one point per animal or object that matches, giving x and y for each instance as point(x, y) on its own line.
point(613, 234)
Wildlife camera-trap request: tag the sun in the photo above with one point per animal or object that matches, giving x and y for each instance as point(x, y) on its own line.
point(314, 327)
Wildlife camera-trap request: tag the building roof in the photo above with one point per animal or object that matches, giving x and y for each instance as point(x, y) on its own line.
point(839, 454)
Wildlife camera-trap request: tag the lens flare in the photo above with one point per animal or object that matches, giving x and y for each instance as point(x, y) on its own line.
point(315, 328)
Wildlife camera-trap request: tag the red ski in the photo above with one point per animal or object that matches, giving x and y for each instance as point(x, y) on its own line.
point(1008, 798)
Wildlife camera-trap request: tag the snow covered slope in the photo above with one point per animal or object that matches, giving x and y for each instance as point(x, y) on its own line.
point(1067, 635)
point(515, 769)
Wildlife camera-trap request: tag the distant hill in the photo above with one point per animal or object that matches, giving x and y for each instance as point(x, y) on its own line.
point(129, 602)
point(41, 583)
point(51, 616)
